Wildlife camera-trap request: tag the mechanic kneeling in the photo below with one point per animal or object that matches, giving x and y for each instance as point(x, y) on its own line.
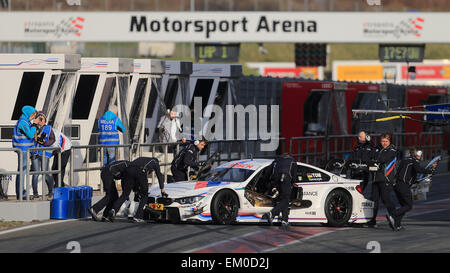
point(136, 178)
point(109, 173)
point(284, 172)
point(406, 177)
point(187, 158)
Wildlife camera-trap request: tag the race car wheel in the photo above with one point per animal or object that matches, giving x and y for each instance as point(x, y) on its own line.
point(224, 207)
point(338, 208)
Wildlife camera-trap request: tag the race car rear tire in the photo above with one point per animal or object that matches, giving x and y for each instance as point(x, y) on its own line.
point(224, 207)
point(338, 208)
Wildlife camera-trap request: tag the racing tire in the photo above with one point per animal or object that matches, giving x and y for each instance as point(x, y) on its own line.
point(338, 208)
point(224, 207)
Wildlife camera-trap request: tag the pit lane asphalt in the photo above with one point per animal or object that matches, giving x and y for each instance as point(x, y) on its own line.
point(426, 230)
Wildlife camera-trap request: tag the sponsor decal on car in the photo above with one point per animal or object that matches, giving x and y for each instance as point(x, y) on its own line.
point(310, 193)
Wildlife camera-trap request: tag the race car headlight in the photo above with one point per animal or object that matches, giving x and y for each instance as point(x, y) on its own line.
point(189, 199)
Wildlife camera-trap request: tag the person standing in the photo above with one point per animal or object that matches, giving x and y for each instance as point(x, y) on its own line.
point(44, 138)
point(362, 155)
point(284, 173)
point(407, 175)
point(188, 157)
point(23, 138)
point(108, 128)
point(386, 156)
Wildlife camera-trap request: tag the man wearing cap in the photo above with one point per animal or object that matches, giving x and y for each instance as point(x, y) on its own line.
point(108, 128)
point(406, 177)
point(23, 138)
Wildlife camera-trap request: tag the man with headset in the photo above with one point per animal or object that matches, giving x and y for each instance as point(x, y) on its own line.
point(188, 157)
point(361, 156)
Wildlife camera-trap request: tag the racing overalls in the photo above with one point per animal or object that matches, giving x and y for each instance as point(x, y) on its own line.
point(406, 177)
point(283, 175)
point(185, 158)
point(362, 154)
point(109, 173)
point(136, 179)
point(384, 178)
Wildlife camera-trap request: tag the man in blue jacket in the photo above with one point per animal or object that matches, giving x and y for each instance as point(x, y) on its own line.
point(23, 138)
point(108, 128)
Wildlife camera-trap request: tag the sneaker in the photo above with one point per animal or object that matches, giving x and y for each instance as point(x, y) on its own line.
point(400, 228)
point(138, 220)
point(93, 214)
point(269, 217)
point(50, 197)
point(35, 196)
point(105, 219)
point(112, 215)
point(285, 225)
point(391, 222)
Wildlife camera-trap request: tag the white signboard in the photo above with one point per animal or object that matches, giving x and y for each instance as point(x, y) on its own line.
point(327, 27)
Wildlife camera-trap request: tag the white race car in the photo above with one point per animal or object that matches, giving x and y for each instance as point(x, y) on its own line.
point(238, 191)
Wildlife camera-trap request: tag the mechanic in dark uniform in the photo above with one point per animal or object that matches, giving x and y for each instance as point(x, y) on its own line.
point(109, 173)
point(386, 157)
point(186, 158)
point(284, 173)
point(362, 154)
point(136, 179)
point(406, 176)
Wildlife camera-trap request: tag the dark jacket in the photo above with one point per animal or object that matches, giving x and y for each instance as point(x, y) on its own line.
point(362, 154)
point(387, 158)
point(284, 169)
point(408, 170)
point(187, 158)
point(117, 168)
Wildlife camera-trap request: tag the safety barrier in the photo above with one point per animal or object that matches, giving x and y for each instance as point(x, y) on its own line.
point(317, 150)
point(44, 168)
point(99, 150)
point(314, 150)
point(19, 173)
point(30, 172)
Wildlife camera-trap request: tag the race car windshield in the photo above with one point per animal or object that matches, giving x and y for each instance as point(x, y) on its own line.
point(227, 174)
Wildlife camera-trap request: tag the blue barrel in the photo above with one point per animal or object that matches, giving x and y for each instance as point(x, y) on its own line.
point(86, 202)
point(77, 203)
point(61, 207)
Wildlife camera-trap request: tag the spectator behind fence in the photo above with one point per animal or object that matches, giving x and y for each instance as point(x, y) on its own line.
point(108, 127)
point(170, 130)
point(23, 138)
point(62, 142)
point(43, 138)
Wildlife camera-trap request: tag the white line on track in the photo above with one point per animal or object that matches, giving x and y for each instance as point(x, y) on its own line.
point(35, 226)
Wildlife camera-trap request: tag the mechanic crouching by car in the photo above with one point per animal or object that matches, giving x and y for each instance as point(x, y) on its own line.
point(362, 154)
point(188, 157)
point(136, 178)
point(406, 176)
point(386, 157)
point(109, 173)
point(284, 173)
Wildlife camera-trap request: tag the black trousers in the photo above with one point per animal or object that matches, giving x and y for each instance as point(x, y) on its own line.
point(64, 159)
point(111, 194)
point(178, 175)
point(382, 190)
point(285, 189)
point(404, 196)
point(134, 179)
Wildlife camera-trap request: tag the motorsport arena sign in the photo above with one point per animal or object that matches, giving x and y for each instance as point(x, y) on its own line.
point(306, 27)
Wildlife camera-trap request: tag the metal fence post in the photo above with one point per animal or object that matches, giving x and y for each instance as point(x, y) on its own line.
point(60, 174)
point(27, 178)
point(71, 167)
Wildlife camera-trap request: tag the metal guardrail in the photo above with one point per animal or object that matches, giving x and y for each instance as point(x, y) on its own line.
point(314, 149)
point(309, 149)
point(19, 172)
point(43, 167)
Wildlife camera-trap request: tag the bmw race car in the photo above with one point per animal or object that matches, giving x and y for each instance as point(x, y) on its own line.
point(238, 191)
